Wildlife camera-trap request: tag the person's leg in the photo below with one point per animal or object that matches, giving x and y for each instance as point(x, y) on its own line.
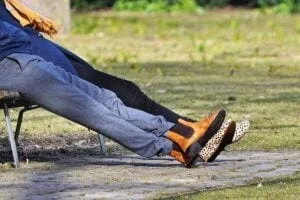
point(34, 79)
point(109, 99)
point(127, 91)
point(148, 122)
point(141, 119)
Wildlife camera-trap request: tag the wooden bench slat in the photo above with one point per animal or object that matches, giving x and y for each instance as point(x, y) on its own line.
point(8, 94)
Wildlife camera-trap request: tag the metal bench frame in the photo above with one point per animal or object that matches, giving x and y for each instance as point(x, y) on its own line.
point(8, 102)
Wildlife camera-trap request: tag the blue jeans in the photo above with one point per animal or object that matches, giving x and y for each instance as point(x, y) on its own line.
point(99, 109)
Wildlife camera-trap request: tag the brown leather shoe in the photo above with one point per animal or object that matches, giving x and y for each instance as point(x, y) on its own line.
point(184, 159)
point(202, 131)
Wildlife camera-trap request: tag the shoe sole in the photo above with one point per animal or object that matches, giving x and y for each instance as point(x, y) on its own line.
point(194, 150)
point(216, 141)
point(225, 141)
point(227, 137)
point(193, 162)
point(213, 128)
point(244, 129)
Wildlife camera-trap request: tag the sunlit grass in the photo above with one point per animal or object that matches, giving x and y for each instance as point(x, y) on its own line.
point(283, 188)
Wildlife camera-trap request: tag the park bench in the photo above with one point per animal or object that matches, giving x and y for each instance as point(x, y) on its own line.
point(12, 99)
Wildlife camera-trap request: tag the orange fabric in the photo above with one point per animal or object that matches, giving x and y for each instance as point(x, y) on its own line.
point(26, 16)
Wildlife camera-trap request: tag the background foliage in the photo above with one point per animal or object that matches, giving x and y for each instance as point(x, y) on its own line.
point(278, 6)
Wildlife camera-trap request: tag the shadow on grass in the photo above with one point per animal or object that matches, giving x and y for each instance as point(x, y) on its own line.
point(78, 156)
point(276, 126)
point(291, 97)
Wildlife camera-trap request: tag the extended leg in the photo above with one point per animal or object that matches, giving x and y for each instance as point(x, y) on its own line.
point(127, 91)
point(141, 119)
point(39, 84)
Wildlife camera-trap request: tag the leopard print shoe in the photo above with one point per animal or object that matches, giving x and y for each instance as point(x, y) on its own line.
point(242, 128)
point(240, 131)
point(223, 136)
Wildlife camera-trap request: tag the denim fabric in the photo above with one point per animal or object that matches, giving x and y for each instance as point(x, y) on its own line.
point(36, 43)
point(13, 40)
point(99, 109)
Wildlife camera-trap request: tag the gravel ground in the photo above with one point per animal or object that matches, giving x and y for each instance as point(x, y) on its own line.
point(128, 176)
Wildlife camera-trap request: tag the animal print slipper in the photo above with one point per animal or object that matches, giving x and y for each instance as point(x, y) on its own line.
point(242, 128)
point(223, 136)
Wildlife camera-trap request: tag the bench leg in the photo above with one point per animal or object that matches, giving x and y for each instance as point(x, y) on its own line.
point(102, 144)
point(18, 128)
point(20, 119)
point(11, 136)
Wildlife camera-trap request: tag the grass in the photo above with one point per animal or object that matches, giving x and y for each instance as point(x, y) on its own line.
point(244, 61)
point(283, 188)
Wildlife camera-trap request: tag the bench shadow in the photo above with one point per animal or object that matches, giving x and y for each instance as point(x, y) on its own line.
point(68, 160)
point(86, 156)
point(78, 156)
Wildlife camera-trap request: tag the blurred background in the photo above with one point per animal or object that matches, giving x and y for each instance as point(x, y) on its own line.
point(286, 6)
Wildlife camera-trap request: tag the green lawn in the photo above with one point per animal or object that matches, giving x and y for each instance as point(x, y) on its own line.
point(284, 188)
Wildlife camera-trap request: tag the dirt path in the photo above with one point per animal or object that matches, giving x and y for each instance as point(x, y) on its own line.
point(132, 177)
